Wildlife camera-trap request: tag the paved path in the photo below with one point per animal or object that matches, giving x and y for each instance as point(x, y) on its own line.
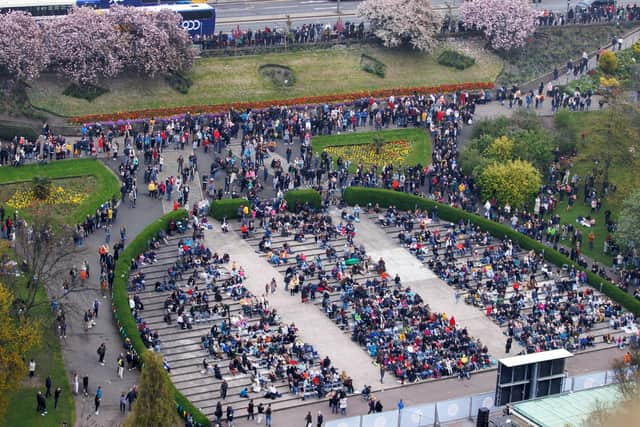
point(79, 349)
point(440, 296)
point(314, 327)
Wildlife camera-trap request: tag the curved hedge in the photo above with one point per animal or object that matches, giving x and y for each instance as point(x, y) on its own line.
point(122, 314)
point(226, 208)
point(302, 196)
point(403, 201)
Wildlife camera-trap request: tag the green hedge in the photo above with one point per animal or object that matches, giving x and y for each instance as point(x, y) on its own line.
point(403, 201)
point(454, 59)
point(302, 196)
point(226, 208)
point(124, 320)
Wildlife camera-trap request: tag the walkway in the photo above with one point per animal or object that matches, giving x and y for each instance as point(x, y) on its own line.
point(437, 294)
point(314, 327)
point(79, 349)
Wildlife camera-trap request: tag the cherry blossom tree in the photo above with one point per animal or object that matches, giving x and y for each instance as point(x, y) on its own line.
point(155, 43)
point(505, 23)
point(180, 53)
point(397, 22)
point(84, 46)
point(22, 52)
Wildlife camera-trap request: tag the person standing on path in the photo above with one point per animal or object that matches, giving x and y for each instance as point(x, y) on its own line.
point(230, 413)
point(224, 386)
point(102, 350)
point(320, 419)
point(308, 420)
point(85, 385)
point(250, 410)
point(268, 416)
point(120, 365)
point(218, 413)
point(98, 399)
point(507, 347)
point(260, 412)
point(382, 372)
point(343, 405)
point(123, 403)
point(76, 384)
point(32, 368)
point(56, 397)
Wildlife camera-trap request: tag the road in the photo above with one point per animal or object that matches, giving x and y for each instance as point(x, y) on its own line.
point(260, 13)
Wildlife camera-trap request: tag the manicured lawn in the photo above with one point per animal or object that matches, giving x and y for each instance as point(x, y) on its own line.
point(48, 358)
point(101, 185)
point(227, 79)
point(402, 147)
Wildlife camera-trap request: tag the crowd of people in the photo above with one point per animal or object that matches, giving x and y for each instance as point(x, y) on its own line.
point(542, 307)
point(392, 323)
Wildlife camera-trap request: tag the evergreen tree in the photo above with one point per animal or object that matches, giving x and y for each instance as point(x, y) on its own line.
point(155, 405)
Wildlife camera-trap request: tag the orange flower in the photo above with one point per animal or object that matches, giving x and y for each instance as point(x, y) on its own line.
point(305, 100)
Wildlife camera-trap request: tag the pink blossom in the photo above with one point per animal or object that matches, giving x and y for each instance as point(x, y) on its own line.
point(396, 22)
point(505, 23)
point(22, 52)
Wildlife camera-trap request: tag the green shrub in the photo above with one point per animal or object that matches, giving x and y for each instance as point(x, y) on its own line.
point(608, 62)
point(226, 208)
point(455, 59)
point(125, 322)
point(8, 132)
point(403, 201)
point(87, 92)
point(179, 82)
point(297, 198)
point(372, 65)
point(41, 186)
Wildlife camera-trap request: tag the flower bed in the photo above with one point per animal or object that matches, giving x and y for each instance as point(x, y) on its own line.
point(24, 198)
point(110, 119)
point(394, 152)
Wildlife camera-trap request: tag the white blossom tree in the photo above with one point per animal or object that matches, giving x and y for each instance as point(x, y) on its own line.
point(397, 22)
point(22, 52)
point(505, 23)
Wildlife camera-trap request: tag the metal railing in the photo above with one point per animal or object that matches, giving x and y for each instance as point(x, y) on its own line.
point(466, 407)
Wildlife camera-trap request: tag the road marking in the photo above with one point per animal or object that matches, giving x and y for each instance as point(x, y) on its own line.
point(312, 1)
point(325, 8)
point(276, 7)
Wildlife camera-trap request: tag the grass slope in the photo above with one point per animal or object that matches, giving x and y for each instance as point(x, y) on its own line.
point(420, 151)
point(623, 177)
point(220, 80)
point(107, 184)
point(48, 358)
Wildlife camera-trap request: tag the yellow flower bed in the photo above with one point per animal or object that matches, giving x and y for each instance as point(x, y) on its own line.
point(394, 152)
point(25, 198)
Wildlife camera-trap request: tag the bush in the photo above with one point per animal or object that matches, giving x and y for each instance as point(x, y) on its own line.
point(125, 322)
point(403, 201)
point(8, 132)
point(608, 62)
point(88, 92)
point(179, 82)
point(296, 199)
point(226, 208)
point(513, 182)
point(372, 65)
point(41, 186)
point(454, 59)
